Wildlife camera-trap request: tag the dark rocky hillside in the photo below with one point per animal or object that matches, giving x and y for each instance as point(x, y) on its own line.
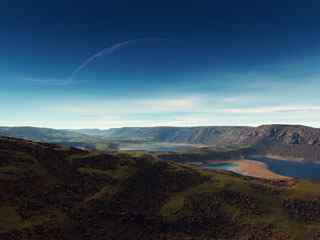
point(52, 192)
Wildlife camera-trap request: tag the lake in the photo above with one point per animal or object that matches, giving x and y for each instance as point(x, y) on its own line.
point(149, 148)
point(155, 147)
point(220, 166)
point(302, 170)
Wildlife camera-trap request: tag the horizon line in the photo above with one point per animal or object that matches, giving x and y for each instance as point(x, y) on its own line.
point(161, 126)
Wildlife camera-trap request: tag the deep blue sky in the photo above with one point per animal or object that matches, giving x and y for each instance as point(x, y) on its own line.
point(198, 63)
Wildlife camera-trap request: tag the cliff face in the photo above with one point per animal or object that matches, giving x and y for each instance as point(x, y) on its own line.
point(291, 142)
point(286, 134)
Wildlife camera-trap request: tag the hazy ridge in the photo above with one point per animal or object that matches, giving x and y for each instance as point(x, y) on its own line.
point(283, 141)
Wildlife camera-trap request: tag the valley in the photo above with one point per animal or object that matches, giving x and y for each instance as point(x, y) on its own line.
point(272, 150)
point(159, 120)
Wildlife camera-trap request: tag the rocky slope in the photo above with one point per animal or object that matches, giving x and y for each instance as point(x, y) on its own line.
point(191, 135)
point(293, 142)
point(49, 192)
point(285, 141)
point(286, 134)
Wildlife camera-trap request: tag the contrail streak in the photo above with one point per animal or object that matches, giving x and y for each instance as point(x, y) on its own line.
point(109, 50)
point(104, 52)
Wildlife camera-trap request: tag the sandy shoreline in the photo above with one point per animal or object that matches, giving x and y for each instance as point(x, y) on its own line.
point(253, 169)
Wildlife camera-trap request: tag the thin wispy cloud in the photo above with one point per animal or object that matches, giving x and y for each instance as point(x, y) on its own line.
point(174, 111)
point(173, 104)
point(196, 104)
point(124, 106)
point(238, 99)
point(264, 110)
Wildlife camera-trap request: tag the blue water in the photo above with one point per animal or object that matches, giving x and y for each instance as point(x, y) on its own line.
point(221, 166)
point(155, 147)
point(150, 148)
point(310, 171)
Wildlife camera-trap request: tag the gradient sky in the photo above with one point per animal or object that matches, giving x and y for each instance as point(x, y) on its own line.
point(186, 63)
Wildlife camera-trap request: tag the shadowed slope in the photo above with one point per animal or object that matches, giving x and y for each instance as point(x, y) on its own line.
point(49, 192)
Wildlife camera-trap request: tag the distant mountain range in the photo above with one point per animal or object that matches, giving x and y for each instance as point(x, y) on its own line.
point(42, 134)
point(190, 135)
point(281, 141)
point(212, 135)
point(295, 142)
point(49, 135)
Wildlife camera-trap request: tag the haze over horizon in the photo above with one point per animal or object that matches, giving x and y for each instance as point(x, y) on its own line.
point(124, 63)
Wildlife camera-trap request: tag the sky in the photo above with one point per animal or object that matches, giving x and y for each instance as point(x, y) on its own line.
point(104, 64)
